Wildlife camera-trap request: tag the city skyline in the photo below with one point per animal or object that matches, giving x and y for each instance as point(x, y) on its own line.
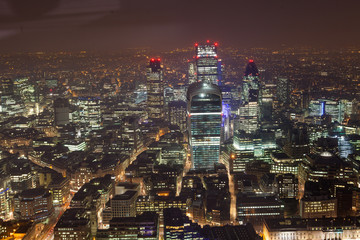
point(202, 120)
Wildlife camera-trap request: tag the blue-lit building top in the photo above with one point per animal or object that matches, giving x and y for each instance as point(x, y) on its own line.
point(204, 121)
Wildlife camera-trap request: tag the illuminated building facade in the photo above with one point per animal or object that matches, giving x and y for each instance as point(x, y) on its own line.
point(155, 90)
point(283, 91)
point(257, 207)
point(335, 109)
point(204, 122)
point(177, 114)
point(249, 109)
point(208, 67)
point(7, 87)
point(178, 226)
point(315, 229)
point(192, 73)
point(287, 185)
point(267, 97)
point(89, 112)
point(5, 201)
point(159, 202)
point(318, 207)
point(73, 224)
point(60, 190)
point(33, 204)
point(247, 147)
point(144, 226)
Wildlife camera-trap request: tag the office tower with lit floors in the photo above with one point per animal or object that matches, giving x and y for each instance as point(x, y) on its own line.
point(155, 90)
point(283, 91)
point(249, 108)
point(208, 66)
point(204, 121)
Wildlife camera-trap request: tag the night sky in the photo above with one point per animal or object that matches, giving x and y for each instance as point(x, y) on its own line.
point(112, 25)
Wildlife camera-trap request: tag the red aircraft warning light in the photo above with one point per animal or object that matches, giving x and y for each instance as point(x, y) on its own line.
point(216, 44)
point(251, 60)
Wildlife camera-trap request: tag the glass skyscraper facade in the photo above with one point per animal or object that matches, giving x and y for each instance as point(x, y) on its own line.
point(249, 108)
point(204, 120)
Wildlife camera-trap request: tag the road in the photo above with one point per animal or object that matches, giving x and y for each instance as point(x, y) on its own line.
point(233, 198)
point(48, 232)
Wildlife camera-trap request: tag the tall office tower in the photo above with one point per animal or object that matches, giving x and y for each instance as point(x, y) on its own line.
point(268, 93)
point(226, 130)
point(192, 72)
point(62, 111)
point(177, 114)
point(7, 87)
point(155, 90)
point(321, 107)
point(249, 108)
point(90, 112)
point(204, 122)
point(208, 68)
point(5, 201)
point(283, 91)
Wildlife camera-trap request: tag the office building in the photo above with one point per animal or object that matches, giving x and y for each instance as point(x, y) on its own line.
point(253, 208)
point(141, 227)
point(228, 232)
point(315, 229)
point(123, 205)
point(177, 114)
point(249, 108)
point(5, 201)
point(322, 107)
point(33, 204)
point(178, 226)
point(73, 224)
point(204, 123)
point(89, 112)
point(192, 73)
point(7, 87)
point(267, 98)
point(208, 67)
point(155, 90)
point(287, 185)
point(318, 207)
point(61, 111)
point(283, 91)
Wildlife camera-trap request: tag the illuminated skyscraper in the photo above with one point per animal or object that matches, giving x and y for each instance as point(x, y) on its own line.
point(6, 87)
point(61, 111)
point(155, 90)
point(208, 67)
point(192, 73)
point(322, 107)
point(283, 91)
point(204, 122)
point(249, 109)
point(89, 112)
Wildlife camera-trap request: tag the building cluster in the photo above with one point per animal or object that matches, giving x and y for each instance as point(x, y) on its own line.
point(157, 149)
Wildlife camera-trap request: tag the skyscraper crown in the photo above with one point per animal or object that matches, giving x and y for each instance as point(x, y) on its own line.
point(251, 69)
